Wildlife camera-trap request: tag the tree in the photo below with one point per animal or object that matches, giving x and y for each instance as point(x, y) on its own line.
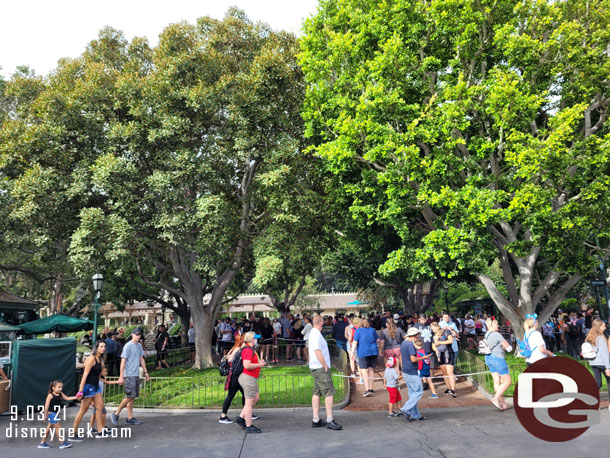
point(479, 132)
point(196, 121)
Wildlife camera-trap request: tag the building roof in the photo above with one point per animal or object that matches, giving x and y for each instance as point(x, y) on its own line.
point(10, 300)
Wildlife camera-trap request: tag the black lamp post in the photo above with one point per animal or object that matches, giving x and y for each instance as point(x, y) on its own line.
point(98, 282)
point(163, 308)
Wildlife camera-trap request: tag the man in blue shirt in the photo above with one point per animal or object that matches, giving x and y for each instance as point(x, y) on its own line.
point(446, 323)
point(411, 376)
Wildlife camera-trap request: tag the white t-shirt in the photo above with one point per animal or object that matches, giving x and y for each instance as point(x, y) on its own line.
point(277, 327)
point(315, 342)
point(226, 336)
point(191, 333)
point(535, 340)
point(306, 330)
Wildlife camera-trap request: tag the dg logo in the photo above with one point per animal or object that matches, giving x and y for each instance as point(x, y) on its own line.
point(557, 399)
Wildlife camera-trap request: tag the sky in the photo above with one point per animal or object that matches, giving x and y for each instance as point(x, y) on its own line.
point(37, 33)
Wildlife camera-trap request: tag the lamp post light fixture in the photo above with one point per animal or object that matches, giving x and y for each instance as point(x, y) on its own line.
point(98, 282)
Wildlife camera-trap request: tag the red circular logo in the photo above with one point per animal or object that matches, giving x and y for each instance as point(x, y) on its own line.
point(557, 399)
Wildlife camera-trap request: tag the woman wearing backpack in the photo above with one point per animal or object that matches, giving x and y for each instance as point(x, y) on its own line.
point(496, 361)
point(248, 380)
point(535, 341)
point(601, 363)
point(231, 385)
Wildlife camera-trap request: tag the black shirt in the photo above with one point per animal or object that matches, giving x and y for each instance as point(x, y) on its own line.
point(55, 403)
point(161, 341)
point(93, 378)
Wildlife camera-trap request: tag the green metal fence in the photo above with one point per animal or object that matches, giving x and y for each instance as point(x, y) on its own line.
point(207, 391)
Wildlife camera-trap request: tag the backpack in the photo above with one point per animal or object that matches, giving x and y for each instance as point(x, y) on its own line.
point(484, 348)
point(236, 368)
point(224, 367)
point(588, 351)
point(574, 332)
point(524, 347)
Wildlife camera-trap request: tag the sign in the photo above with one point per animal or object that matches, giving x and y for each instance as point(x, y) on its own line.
point(557, 399)
point(598, 283)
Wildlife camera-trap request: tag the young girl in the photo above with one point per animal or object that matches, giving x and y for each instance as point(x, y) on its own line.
point(52, 408)
point(390, 383)
point(424, 368)
point(92, 422)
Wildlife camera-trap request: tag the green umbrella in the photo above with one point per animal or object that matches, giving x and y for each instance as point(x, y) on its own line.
point(59, 323)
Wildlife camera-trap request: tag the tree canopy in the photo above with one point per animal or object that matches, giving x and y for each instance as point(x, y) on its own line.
point(477, 129)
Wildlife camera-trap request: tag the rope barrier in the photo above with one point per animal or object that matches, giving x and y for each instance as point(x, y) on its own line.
point(435, 377)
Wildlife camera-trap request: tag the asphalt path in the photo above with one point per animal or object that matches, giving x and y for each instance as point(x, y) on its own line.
point(447, 432)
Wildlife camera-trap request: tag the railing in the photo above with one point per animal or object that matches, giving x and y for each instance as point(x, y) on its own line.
point(468, 363)
point(207, 391)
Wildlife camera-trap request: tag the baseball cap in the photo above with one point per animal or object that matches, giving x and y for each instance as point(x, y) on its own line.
point(412, 332)
point(138, 331)
point(390, 362)
point(396, 317)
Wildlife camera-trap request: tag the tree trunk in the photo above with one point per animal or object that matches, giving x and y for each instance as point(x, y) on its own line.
point(203, 322)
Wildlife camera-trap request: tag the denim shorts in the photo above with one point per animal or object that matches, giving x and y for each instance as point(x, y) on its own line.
point(53, 417)
point(496, 364)
point(90, 391)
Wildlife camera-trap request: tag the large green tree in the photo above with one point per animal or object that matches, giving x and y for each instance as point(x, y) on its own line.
point(197, 120)
point(479, 131)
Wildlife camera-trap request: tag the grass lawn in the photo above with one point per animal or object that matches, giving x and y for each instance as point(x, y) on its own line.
point(204, 388)
point(516, 366)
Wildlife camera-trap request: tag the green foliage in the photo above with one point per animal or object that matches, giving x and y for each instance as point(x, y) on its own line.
point(476, 130)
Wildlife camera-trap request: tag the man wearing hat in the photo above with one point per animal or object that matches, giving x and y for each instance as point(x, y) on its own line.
point(411, 376)
point(132, 358)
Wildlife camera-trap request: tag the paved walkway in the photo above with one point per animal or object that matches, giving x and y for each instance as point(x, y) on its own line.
point(468, 395)
point(455, 432)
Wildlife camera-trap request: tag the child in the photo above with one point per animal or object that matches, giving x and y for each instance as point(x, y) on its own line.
point(424, 368)
point(103, 430)
point(390, 382)
point(52, 408)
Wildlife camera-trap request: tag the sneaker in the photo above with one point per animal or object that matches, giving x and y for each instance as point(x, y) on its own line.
point(447, 391)
point(225, 420)
point(93, 431)
point(406, 416)
point(102, 435)
point(252, 429)
point(76, 438)
point(241, 422)
point(316, 424)
point(367, 393)
point(132, 421)
point(453, 393)
point(66, 444)
point(421, 418)
point(333, 425)
point(433, 396)
point(393, 414)
point(255, 417)
point(44, 445)
point(115, 419)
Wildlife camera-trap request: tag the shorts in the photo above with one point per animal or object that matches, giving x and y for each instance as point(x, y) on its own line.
point(322, 383)
point(392, 352)
point(446, 357)
point(161, 355)
point(249, 385)
point(425, 372)
point(90, 390)
point(299, 343)
point(395, 396)
point(53, 418)
point(367, 361)
point(496, 364)
point(192, 345)
point(132, 387)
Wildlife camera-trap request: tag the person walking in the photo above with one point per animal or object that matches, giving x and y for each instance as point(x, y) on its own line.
point(411, 376)
point(161, 345)
point(89, 390)
point(319, 366)
point(365, 343)
point(391, 339)
point(232, 385)
point(496, 362)
point(248, 380)
point(191, 336)
point(111, 352)
point(443, 340)
point(423, 367)
point(132, 359)
point(600, 364)
point(52, 408)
